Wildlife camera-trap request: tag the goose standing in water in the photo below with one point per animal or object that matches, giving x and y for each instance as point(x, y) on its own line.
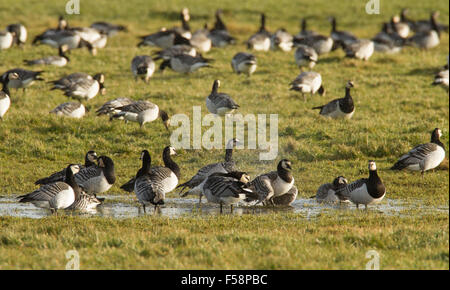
point(61, 60)
point(152, 183)
point(70, 109)
point(197, 181)
point(226, 188)
point(5, 101)
point(267, 186)
point(220, 103)
point(142, 66)
point(339, 108)
point(141, 112)
point(58, 195)
point(89, 160)
point(327, 192)
point(97, 178)
point(286, 199)
point(365, 190)
point(308, 82)
point(244, 62)
point(261, 39)
point(423, 157)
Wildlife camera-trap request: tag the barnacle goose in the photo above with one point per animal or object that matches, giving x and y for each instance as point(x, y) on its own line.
point(244, 62)
point(108, 28)
point(387, 41)
point(220, 103)
point(6, 39)
point(401, 28)
point(152, 183)
point(339, 108)
point(5, 101)
point(320, 43)
point(441, 79)
point(197, 181)
point(97, 178)
point(58, 195)
point(273, 184)
point(308, 82)
point(305, 56)
point(61, 60)
point(326, 193)
point(110, 106)
point(72, 38)
point(219, 34)
point(163, 38)
point(85, 202)
point(200, 40)
point(340, 38)
point(423, 157)
point(142, 112)
point(142, 66)
point(304, 32)
point(226, 188)
point(286, 199)
point(426, 39)
point(89, 160)
point(281, 39)
point(81, 86)
point(185, 29)
point(19, 31)
point(62, 25)
point(427, 24)
point(26, 78)
point(365, 190)
point(70, 109)
point(184, 63)
point(181, 46)
point(360, 49)
point(261, 39)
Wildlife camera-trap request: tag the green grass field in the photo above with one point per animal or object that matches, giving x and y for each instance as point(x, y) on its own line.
point(396, 109)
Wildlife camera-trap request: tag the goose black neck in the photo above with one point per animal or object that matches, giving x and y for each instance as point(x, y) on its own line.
point(5, 88)
point(263, 23)
point(169, 163)
point(333, 24)
point(303, 26)
point(108, 171)
point(435, 139)
point(375, 186)
point(434, 25)
point(70, 180)
point(215, 87)
point(228, 154)
point(284, 174)
point(184, 23)
point(146, 163)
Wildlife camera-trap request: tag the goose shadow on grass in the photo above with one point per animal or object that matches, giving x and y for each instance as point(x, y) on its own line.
point(332, 59)
point(423, 71)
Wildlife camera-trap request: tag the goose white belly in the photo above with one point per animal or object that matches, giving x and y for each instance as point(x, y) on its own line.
point(170, 182)
point(6, 40)
point(63, 199)
point(96, 184)
point(361, 196)
point(323, 46)
point(281, 187)
point(78, 113)
point(285, 46)
point(4, 106)
point(434, 159)
point(88, 93)
point(431, 40)
point(149, 115)
point(23, 34)
point(262, 45)
point(366, 52)
point(338, 114)
point(101, 42)
point(246, 67)
point(61, 61)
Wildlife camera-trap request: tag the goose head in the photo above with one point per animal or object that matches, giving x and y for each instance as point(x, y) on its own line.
point(100, 78)
point(165, 119)
point(436, 134)
point(285, 164)
point(91, 156)
point(349, 85)
point(233, 143)
point(339, 182)
point(372, 165)
point(74, 168)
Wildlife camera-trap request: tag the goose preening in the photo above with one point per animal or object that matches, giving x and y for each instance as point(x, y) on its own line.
point(339, 108)
point(20, 33)
point(25, 78)
point(305, 56)
point(152, 183)
point(243, 62)
point(85, 202)
point(220, 103)
point(219, 35)
point(142, 66)
point(60, 60)
point(423, 157)
point(308, 82)
point(184, 63)
point(441, 79)
point(426, 39)
point(141, 112)
point(226, 188)
point(81, 86)
point(360, 49)
point(70, 109)
point(97, 178)
point(107, 28)
point(365, 190)
point(57, 195)
point(89, 160)
point(197, 181)
point(110, 106)
point(340, 38)
point(5, 101)
point(281, 39)
point(267, 186)
point(6, 39)
point(261, 39)
point(327, 192)
point(200, 40)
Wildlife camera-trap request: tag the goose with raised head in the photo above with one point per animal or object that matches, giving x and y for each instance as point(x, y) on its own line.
point(365, 190)
point(423, 157)
point(141, 112)
point(426, 39)
point(197, 181)
point(220, 103)
point(89, 160)
point(304, 32)
point(342, 108)
point(219, 35)
point(340, 38)
point(226, 188)
point(399, 27)
point(142, 66)
point(261, 39)
point(387, 41)
point(425, 25)
point(244, 62)
point(57, 195)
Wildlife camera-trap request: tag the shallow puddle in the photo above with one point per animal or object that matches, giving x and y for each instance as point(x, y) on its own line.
point(122, 206)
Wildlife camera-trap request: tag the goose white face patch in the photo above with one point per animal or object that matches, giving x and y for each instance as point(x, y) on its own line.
point(372, 165)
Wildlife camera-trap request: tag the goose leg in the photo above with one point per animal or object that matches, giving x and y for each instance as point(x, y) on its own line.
point(366, 206)
point(221, 210)
point(357, 206)
point(143, 206)
point(231, 206)
point(200, 198)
